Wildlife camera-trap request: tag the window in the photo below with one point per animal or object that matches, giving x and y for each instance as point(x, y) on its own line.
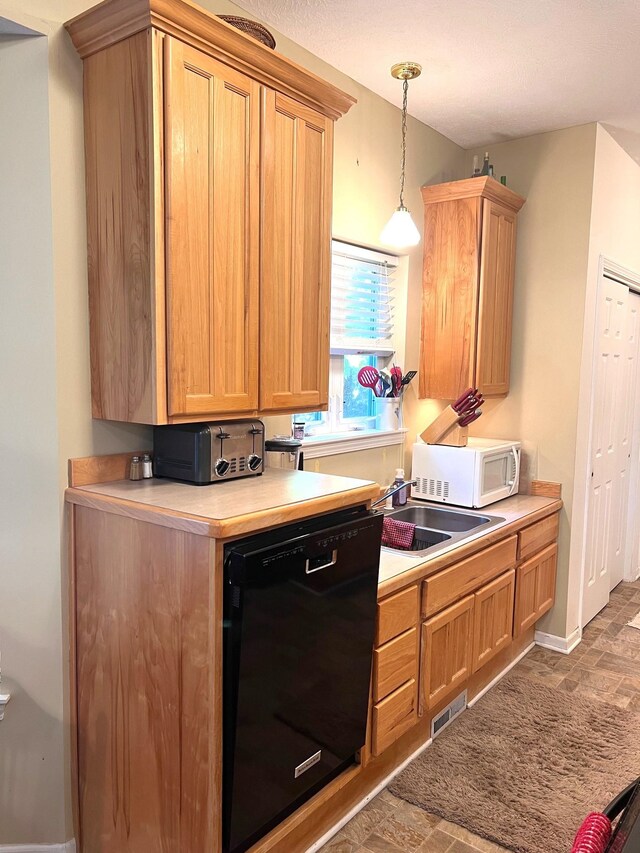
point(362, 333)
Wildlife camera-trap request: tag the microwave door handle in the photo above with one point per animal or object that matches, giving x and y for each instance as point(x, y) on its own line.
point(516, 459)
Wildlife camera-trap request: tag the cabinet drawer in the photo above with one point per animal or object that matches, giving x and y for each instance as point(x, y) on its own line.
point(537, 535)
point(397, 614)
point(466, 576)
point(393, 716)
point(394, 663)
point(535, 588)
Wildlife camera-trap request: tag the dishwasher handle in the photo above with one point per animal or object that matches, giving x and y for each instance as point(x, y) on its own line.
point(322, 561)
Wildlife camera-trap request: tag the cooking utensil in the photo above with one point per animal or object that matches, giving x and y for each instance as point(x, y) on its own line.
point(387, 383)
point(369, 377)
point(396, 379)
point(406, 379)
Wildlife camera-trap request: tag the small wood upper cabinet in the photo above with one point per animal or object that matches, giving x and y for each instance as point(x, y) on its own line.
point(467, 300)
point(209, 171)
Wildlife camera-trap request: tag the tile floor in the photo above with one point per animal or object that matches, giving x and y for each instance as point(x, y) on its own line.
point(605, 666)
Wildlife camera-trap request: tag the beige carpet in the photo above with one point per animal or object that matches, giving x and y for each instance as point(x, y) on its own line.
point(525, 765)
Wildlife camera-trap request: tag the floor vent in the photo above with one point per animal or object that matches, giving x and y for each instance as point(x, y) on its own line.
point(450, 713)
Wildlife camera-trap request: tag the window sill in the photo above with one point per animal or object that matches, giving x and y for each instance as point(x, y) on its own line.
point(350, 442)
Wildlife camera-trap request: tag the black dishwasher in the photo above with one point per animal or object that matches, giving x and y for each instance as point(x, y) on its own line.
point(299, 621)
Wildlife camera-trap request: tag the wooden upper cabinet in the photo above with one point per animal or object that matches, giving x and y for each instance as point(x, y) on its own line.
point(209, 171)
point(467, 297)
point(495, 308)
point(297, 154)
point(212, 160)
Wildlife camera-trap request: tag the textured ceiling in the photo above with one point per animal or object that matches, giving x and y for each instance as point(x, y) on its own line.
point(492, 69)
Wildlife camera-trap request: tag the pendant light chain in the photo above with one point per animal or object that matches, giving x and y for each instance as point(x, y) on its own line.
point(405, 91)
point(400, 231)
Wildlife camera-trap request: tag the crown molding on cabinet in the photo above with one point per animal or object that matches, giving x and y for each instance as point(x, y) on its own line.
point(114, 20)
point(471, 188)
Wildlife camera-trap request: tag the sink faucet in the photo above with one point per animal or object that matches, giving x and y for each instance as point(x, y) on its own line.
point(393, 491)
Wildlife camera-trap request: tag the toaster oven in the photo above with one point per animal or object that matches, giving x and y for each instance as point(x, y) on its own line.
point(207, 453)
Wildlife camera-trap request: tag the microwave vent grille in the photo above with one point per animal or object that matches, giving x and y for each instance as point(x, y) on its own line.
point(434, 488)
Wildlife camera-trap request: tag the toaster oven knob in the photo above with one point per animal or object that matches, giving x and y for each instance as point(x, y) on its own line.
point(254, 461)
point(221, 467)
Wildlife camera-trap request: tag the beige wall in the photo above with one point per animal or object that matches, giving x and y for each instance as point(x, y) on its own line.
point(615, 234)
point(554, 171)
point(32, 747)
point(365, 190)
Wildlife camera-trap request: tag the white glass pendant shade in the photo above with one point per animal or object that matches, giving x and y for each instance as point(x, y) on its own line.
point(400, 231)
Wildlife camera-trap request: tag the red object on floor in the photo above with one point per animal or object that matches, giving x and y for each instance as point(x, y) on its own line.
point(594, 834)
point(397, 534)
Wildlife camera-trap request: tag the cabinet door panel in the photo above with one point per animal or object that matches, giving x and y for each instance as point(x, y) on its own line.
point(449, 298)
point(297, 152)
point(535, 588)
point(497, 264)
point(546, 588)
point(493, 619)
point(446, 653)
point(212, 203)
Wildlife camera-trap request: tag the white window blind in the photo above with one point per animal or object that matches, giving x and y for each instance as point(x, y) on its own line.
point(362, 300)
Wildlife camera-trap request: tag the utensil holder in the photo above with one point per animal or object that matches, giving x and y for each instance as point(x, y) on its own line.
point(388, 413)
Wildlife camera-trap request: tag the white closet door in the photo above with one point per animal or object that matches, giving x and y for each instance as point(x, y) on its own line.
point(632, 562)
point(604, 558)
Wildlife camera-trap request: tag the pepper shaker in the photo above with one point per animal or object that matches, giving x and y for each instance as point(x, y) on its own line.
point(135, 472)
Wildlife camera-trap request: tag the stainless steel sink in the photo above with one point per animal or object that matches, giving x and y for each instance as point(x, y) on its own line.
point(437, 529)
point(439, 519)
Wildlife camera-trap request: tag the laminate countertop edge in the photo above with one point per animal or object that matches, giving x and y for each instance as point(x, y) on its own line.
point(418, 571)
point(225, 528)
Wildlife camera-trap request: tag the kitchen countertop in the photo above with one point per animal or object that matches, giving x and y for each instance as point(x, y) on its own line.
point(248, 505)
point(399, 569)
point(234, 508)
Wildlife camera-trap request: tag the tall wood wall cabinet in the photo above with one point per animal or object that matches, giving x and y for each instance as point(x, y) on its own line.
point(209, 175)
point(467, 297)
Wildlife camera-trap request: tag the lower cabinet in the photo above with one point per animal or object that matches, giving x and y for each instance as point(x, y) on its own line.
point(433, 637)
point(535, 588)
point(493, 619)
point(446, 653)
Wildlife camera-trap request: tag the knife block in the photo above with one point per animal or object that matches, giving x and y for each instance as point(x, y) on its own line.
point(445, 430)
point(457, 437)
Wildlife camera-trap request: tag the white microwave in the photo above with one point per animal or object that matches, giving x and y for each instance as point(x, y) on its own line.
point(485, 471)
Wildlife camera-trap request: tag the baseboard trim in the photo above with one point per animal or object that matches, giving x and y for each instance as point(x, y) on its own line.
point(564, 645)
point(67, 847)
point(373, 793)
point(499, 677)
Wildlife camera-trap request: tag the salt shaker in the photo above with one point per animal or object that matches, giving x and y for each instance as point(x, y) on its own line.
point(147, 471)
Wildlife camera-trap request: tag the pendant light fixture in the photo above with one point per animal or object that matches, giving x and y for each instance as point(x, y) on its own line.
point(400, 231)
